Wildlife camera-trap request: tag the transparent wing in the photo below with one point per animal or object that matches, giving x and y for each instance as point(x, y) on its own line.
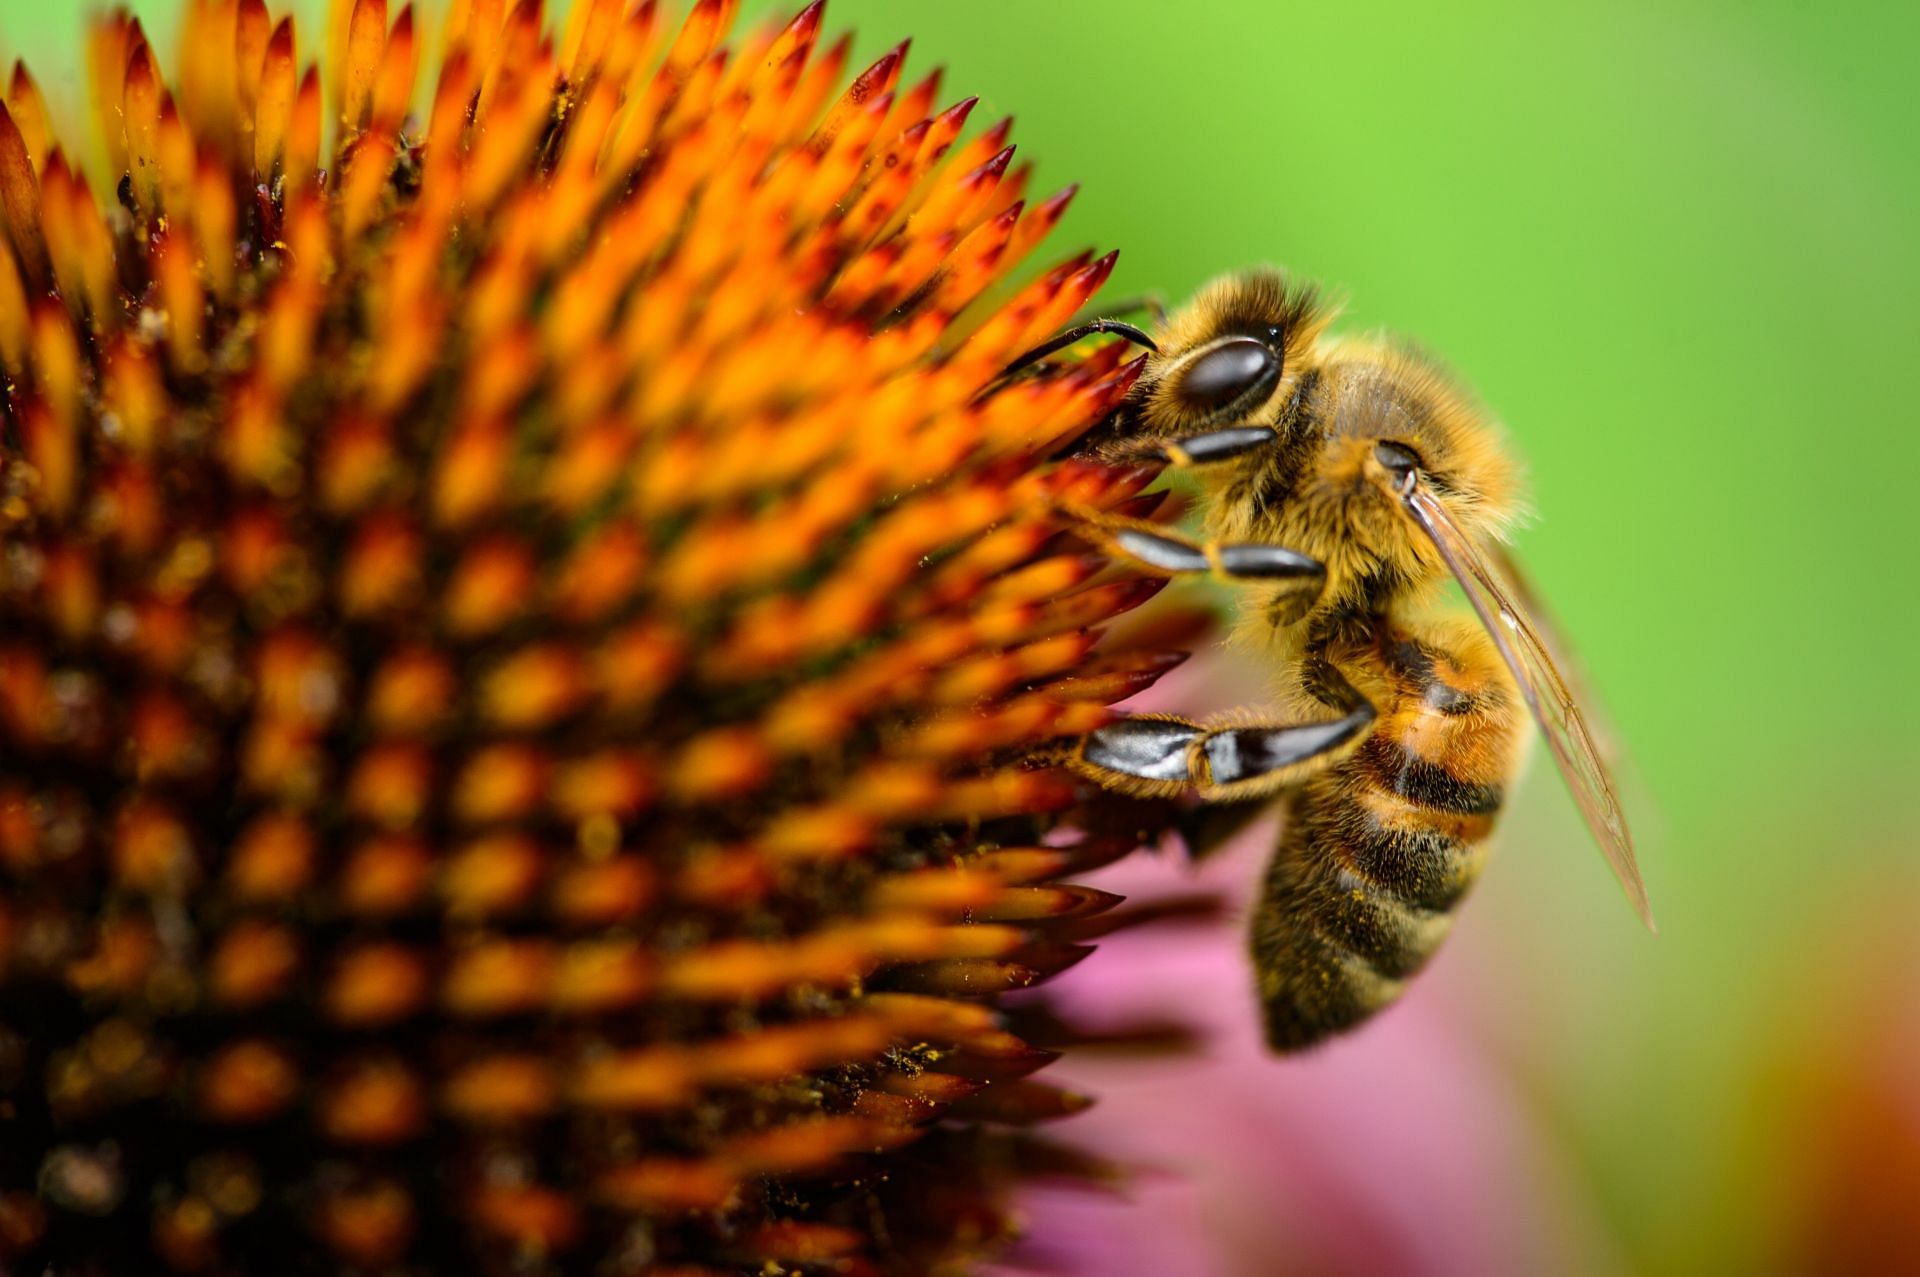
point(1526, 644)
point(1606, 741)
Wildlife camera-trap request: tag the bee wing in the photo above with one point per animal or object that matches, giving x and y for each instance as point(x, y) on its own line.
point(1526, 643)
point(1606, 741)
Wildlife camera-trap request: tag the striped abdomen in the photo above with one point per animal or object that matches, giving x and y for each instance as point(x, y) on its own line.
point(1377, 850)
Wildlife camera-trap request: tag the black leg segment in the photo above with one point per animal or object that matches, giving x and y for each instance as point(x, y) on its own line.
point(1236, 561)
point(1251, 753)
point(1146, 748)
point(1169, 554)
point(1163, 756)
point(1248, 562)
point(1218, 445)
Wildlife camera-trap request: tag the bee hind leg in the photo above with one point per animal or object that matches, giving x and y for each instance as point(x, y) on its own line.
point(1164, 756)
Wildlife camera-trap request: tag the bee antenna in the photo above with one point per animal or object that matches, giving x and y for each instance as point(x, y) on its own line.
point(1118, 328)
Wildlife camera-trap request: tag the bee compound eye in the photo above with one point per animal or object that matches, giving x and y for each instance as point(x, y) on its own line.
point(1398, 459)
point(1233, 371)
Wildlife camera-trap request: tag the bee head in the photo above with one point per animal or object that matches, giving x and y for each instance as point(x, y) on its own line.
point(1231, 357)
point(1374, 420)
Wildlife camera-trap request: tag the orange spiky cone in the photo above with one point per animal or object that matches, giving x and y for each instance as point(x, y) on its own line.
point(526, 660)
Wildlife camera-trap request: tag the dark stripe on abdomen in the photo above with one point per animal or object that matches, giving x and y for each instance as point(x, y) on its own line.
point(1413, 661)
point(1423, 868)
point(1350, 910)
point(1426, 784)
point(1379, 849)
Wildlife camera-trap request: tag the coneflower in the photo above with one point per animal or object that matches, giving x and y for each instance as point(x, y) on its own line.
point(527, 660)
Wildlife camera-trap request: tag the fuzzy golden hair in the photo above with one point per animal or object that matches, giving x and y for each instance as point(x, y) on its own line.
point(1342, 509)
point(1323, 491)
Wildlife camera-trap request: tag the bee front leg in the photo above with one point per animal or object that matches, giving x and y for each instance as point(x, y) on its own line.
point(1209, 447)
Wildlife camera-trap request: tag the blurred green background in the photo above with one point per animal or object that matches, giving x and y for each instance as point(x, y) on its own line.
point(1677, 248)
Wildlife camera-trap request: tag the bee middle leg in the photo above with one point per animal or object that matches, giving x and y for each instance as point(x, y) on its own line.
point(1154, 547)
point(1235, 758)
point(1294, 579)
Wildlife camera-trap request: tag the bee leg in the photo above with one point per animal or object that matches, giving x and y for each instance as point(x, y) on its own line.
point(1154, 547)
point(1257, 760)
point(1162, 755)
point(1296, 578)
point(1213, 445)
point(1209, 447)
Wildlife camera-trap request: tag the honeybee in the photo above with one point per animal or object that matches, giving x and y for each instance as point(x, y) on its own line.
point(1346, 480)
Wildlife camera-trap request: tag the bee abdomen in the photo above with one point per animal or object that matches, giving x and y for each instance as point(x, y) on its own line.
point(1398, 770)
point(1378, 851)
